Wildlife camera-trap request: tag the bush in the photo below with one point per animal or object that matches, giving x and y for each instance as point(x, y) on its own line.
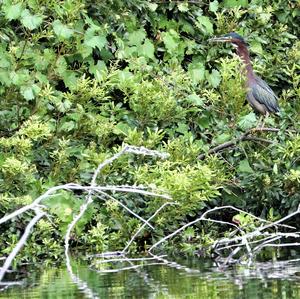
point(76, 81)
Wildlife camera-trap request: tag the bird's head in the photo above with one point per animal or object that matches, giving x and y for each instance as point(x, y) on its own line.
point(232, 37)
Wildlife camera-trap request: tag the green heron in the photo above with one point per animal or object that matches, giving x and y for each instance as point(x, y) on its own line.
point(259, 94)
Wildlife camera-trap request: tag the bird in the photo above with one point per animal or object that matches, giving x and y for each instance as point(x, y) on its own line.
point(260, 96)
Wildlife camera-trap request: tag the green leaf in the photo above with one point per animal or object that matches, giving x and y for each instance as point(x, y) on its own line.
point(184, 6)
point(222, 138)
point(195, 100)
point(61, 65)
point(248, 121)
point(29, 92)
point(136, 37)
point(68, 126)
point(205, 24)
point(70, 79)
point(129, 51)
point(147, 49)
point(43, 79)
point(5, 61)
point(62, 106)
point(84, 50)
point(30, 21)
point(256, 47)
point(94, 41)
point(13, 12)
point(121, 128)
point(98, 70)
point(152, 6)
point(235, 3)
point(204, 122)
point(20, 77)
point(214, 78)
point(244, 167)
point(4, 78)
point(170, 40)
point(275, 168)
point(61, 30)
point(213, 6)
point(182, 128)
point(124, 75)
point(197, 72)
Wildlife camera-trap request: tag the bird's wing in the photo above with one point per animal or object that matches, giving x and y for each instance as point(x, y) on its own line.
point(265, 95)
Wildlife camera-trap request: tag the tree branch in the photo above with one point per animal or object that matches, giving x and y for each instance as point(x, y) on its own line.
point(244, 137)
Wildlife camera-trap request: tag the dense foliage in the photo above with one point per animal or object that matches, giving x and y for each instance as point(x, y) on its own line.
point(79, 78)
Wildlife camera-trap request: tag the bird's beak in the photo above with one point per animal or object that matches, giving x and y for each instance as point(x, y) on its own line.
point(221, 39)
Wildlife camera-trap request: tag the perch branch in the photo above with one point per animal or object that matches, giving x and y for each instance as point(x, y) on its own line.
point(244, 137)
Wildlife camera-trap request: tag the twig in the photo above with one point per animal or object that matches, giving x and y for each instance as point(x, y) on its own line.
point(174, 264)
point(178, 1)
point(11, 283)
point(34, 204)
point(191, 223)
point(146, 222)
point(260, 246)
point(203, 217)
point(143, 226)
point(257, 139)
point(281, 245)
point(107, 254)
point(125, 259)
point(127, 268)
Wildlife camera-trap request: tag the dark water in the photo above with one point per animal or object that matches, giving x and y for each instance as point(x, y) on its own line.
point(193, 279)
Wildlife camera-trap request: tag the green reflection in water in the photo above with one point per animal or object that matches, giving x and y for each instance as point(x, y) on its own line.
point(266, 281)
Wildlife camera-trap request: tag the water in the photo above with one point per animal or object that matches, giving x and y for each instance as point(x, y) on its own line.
point(196, 278)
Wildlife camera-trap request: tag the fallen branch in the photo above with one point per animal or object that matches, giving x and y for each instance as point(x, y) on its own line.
point(92, 190)
point(243, 242)
point(89, 199)
point(246, 242)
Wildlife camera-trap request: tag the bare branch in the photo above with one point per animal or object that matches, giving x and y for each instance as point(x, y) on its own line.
point(94, 188)
point(21, 243)
point(36, 206)
point(126, 208)
point(143, 226)
point(127, 268)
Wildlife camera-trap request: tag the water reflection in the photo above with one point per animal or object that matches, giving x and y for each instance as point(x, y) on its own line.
point(264, 280)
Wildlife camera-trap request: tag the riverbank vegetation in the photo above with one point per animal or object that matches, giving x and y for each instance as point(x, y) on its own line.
point(79, 79)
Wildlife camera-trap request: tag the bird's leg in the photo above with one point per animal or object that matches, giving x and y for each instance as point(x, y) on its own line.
point(265, 117)
point(258, 123)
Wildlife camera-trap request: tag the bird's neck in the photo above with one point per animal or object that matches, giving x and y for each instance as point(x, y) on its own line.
point(243, 52)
